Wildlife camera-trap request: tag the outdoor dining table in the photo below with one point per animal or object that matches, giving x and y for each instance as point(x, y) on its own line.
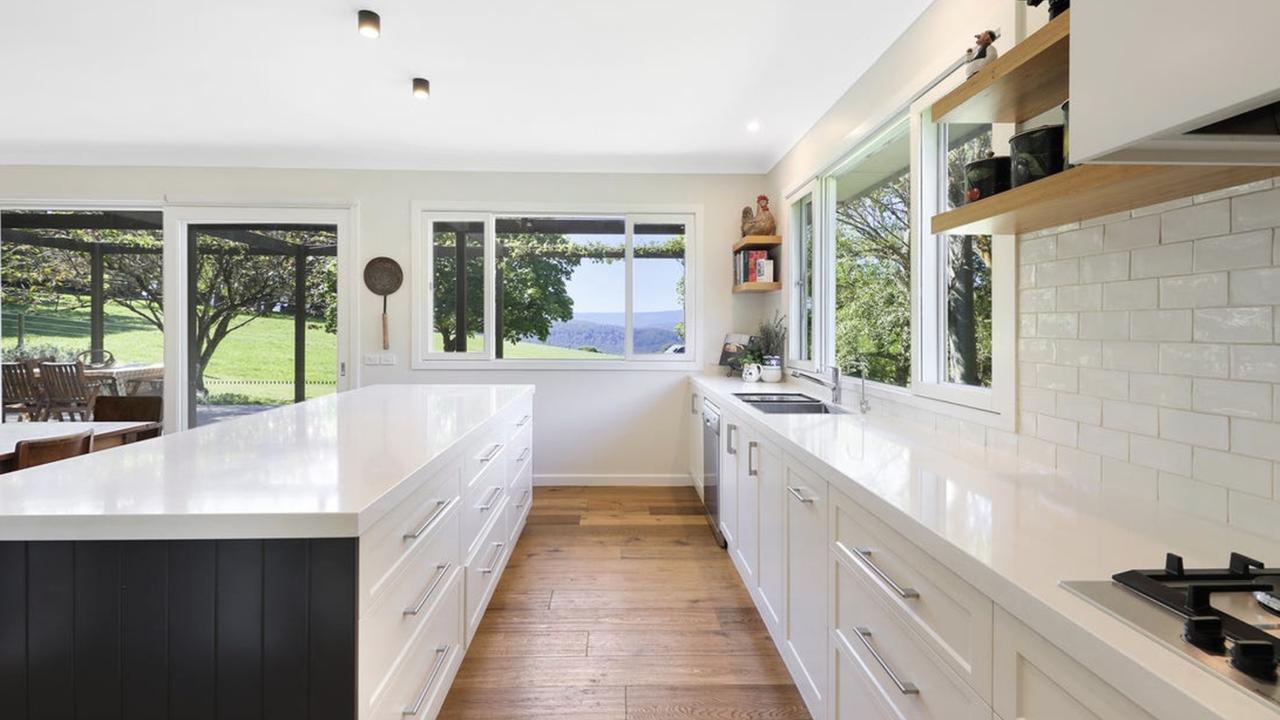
point(105, 435)
point(127, 379)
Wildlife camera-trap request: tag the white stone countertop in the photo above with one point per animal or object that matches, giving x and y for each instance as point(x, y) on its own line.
point(328, 467)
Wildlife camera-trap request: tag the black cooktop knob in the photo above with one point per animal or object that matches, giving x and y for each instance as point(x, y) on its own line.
point(1256, 658)
point(1205, 632)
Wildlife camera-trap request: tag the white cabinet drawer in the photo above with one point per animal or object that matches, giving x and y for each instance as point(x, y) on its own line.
point(855, 696)
point(485, 452)
point(484, 570)
point(903, 670)
point(1036, 681)
point(410, 599)
point(518, 504)
point(385, 547)
point(951, 615)
point(481, 503)
point(420, 681)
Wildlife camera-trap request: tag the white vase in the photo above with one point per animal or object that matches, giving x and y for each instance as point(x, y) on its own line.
point(771, 374)
point(751, 373)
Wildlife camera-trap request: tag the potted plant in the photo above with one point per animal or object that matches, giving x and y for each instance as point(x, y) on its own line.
point(772, 342)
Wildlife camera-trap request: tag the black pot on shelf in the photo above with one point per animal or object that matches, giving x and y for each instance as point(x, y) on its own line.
point(1037, 153)
point(986, 177)
point(1056, 7)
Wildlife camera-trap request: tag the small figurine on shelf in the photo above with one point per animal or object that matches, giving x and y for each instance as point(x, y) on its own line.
point(761, 222)
point(1056, 7)
point(982, 53)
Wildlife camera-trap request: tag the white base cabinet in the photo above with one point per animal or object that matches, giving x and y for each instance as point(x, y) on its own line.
point(805, 650)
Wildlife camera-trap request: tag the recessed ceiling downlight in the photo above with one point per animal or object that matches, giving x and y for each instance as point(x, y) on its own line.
point(370, 24)
point(421, 88)
point(753, 126)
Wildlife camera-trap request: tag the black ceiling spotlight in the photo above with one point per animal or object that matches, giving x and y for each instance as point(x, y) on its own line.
point(421, 88)
point(370, 24)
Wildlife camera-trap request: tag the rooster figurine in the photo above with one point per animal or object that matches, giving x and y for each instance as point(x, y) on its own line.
point(760, 222)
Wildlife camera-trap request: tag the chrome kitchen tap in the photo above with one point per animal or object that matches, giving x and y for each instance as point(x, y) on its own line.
point(833, 384)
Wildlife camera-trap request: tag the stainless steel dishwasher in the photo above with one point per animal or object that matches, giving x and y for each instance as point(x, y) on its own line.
point(711, 467)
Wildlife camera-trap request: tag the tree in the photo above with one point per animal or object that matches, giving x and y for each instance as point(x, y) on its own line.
point(968, 358)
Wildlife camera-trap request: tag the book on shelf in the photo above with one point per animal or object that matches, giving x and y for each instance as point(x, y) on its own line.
point(764, 270)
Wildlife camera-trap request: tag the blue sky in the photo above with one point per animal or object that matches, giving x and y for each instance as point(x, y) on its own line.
point(601, 287)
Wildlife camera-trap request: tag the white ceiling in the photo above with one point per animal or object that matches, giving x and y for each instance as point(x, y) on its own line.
point(547, 85)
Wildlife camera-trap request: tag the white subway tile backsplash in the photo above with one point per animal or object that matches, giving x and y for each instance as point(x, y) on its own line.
point(1197, 221)
point(1104, 325)
point(1037, 451)
point(1080, 408)
point(1111, 384)
point(1078, 353)
point(1235, 472)
point(1131, 356)
point(1106, 219)
point(1161, 261)
point(1109, 443)
point(1195, 498)
point(1251, 212)
point(1104, 268)
point(1038, 400)
point(1057, 377)
point(1036, 349)
point(1038, 250)
point(1027, 325)
point(1128, 478)
point(1203, 360)
point(1058, 272)
point(1061, 325)
point(1074, 298)
point(1026, 276)
point(1170, 325)
point(1256, 362)
point(1255, 438)
point(1164, 455)
point(1056, 430)
point(1255, 287)
point(1026, 374)
point(1040, 300)
point(1087, 241)
point(1192, 291)
point(1162, 207)
point(1129, 234)
point(1234, 325)
point(1234, 252)
point(1130, 417)
point(1130, 295)
point(1204, 430)
point(1164, 390)
point(1232, 397)
point(1078, 465)
point(1253, 515)
point(1244, 189)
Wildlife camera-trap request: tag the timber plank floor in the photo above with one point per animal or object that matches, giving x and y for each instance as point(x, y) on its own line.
point(618, 605)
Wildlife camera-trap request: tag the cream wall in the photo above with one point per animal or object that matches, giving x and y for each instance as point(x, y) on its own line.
point(627, 426)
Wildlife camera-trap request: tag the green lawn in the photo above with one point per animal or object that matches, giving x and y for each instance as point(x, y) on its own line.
point(255, 362)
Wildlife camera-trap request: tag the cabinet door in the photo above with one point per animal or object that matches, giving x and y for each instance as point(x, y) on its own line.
point(771, 500)
point(746, 554)
point(730, 452)
point(806, 636)
point(854, 697)
point(695, 439)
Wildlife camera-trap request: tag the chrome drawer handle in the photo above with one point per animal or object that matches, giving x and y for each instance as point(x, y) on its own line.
point(729, 446)
point(441, 572)
point(493, 498)
point(906, 688)
point(497, 553)
point(795, 493)
point(864, 557)
point(523, 454)
point(524, 421)
point(693, 404)
point(523, 497)
point(752, 470)
point(493, 451)
point(442, 654)
point(441, 506)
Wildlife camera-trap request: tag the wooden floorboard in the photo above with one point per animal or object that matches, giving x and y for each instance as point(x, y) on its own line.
point(618, 604)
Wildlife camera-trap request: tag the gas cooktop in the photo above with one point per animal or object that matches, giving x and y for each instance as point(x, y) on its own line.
point(1227, 619)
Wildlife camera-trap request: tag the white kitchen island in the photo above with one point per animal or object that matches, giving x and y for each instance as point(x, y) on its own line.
point(329, 559)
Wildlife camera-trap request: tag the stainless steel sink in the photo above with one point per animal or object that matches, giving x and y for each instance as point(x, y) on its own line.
point(789, 404)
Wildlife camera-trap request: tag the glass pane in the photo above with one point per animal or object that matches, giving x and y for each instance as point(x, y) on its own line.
point(803, 216)
point(458, 298)
point(966, 268)
point(658, 285)
point(873, 260)
point(81, 286)
point(561, 287)
point(262, 317)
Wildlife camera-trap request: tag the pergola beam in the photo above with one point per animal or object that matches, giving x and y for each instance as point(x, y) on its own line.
point(112, 220)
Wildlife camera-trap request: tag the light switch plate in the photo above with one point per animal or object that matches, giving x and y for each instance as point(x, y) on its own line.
point(388, 358)
point(372, 359)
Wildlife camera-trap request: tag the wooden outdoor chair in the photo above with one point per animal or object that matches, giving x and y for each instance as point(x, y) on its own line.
point(29, 453)
point(143, 408)
point(66, 391)
point(22, 392)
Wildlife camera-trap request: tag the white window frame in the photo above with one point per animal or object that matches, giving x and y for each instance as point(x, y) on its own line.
point(796, 291)
point(994, 406)
point(425, 213)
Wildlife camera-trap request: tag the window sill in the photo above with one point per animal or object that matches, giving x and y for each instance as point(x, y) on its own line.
point(913, 398)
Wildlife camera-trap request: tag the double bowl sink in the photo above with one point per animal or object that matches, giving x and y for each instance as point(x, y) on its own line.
point(789, 404)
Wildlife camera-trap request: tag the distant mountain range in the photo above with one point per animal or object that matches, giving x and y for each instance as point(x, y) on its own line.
point(654, 332)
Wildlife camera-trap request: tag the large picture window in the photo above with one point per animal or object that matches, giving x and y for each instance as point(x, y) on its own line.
point(557, 287)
